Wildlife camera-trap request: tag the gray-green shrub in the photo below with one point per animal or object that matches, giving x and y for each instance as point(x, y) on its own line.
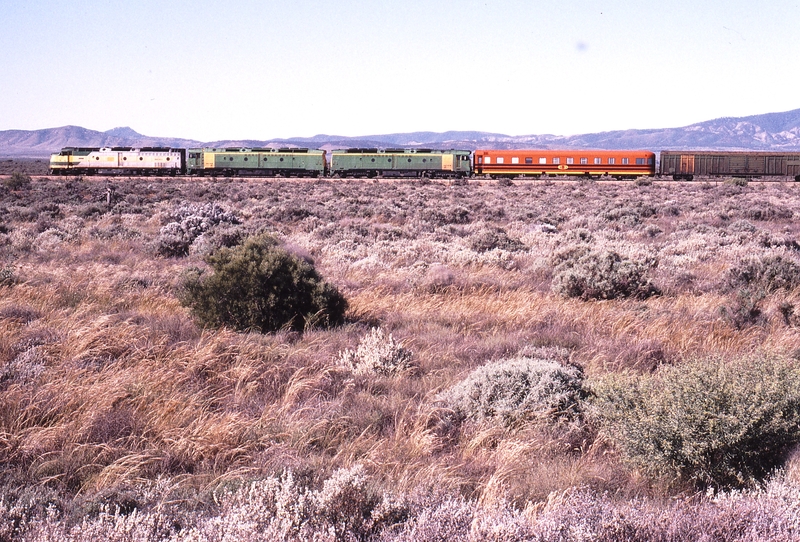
point(519, 389)
point(768, 274)
point(188, 223)
point(17, 181)
point(492, 238)
point(260, 286)
point(587, 274)
point(377, 353)
point(709, 423)
point(7, 277)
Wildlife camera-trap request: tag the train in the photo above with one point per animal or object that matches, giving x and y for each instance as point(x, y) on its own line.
point(418, 163)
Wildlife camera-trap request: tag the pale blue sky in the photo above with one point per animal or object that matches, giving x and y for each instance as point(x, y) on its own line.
point(261, 69)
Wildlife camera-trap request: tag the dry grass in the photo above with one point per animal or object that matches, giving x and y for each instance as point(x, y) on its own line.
point(106, 385)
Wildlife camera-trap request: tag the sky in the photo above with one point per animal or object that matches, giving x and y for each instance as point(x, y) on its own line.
point(247, 69)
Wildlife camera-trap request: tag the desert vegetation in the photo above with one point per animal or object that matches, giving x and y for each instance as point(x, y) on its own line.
point(357, 360)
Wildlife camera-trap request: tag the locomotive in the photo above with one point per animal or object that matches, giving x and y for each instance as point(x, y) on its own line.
point(125, 160)
point(374, 162)
point(400, 163)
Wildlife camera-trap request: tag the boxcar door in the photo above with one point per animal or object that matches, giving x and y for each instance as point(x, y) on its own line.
point(687, 163)
point(738, 163)
point(792, 165)
point(776, 165)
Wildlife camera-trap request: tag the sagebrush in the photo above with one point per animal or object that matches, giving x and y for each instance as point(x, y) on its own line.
point(377, 353)
point(709, 423)
point(589, 274)
point(521, 389)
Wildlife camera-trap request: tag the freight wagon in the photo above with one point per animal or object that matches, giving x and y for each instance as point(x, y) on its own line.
point(125, 160)
point(256, 162)
point(400, 163)
point(684, 165)
point(582, 162)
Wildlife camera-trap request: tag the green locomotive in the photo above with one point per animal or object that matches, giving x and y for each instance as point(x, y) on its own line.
point(400, 163)
point(256, 162)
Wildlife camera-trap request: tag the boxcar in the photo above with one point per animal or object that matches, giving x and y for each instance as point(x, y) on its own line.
point(400, 163)
point(581, 162)
point(687, 164)
point(256, 162)
point(118, 160)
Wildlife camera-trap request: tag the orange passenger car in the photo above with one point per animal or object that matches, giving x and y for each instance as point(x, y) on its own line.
point(580, 162)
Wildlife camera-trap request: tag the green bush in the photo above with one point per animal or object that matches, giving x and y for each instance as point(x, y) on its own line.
point(260, 286)
point(581, 272)
point(707, 423)
point(517, 390)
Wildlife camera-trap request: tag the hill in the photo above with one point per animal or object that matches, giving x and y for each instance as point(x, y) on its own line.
point(770, 131)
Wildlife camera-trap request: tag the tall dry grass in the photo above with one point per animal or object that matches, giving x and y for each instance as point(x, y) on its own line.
point(109, 389)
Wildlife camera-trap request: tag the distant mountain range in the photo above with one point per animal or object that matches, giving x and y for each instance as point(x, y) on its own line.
point(770, 131)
